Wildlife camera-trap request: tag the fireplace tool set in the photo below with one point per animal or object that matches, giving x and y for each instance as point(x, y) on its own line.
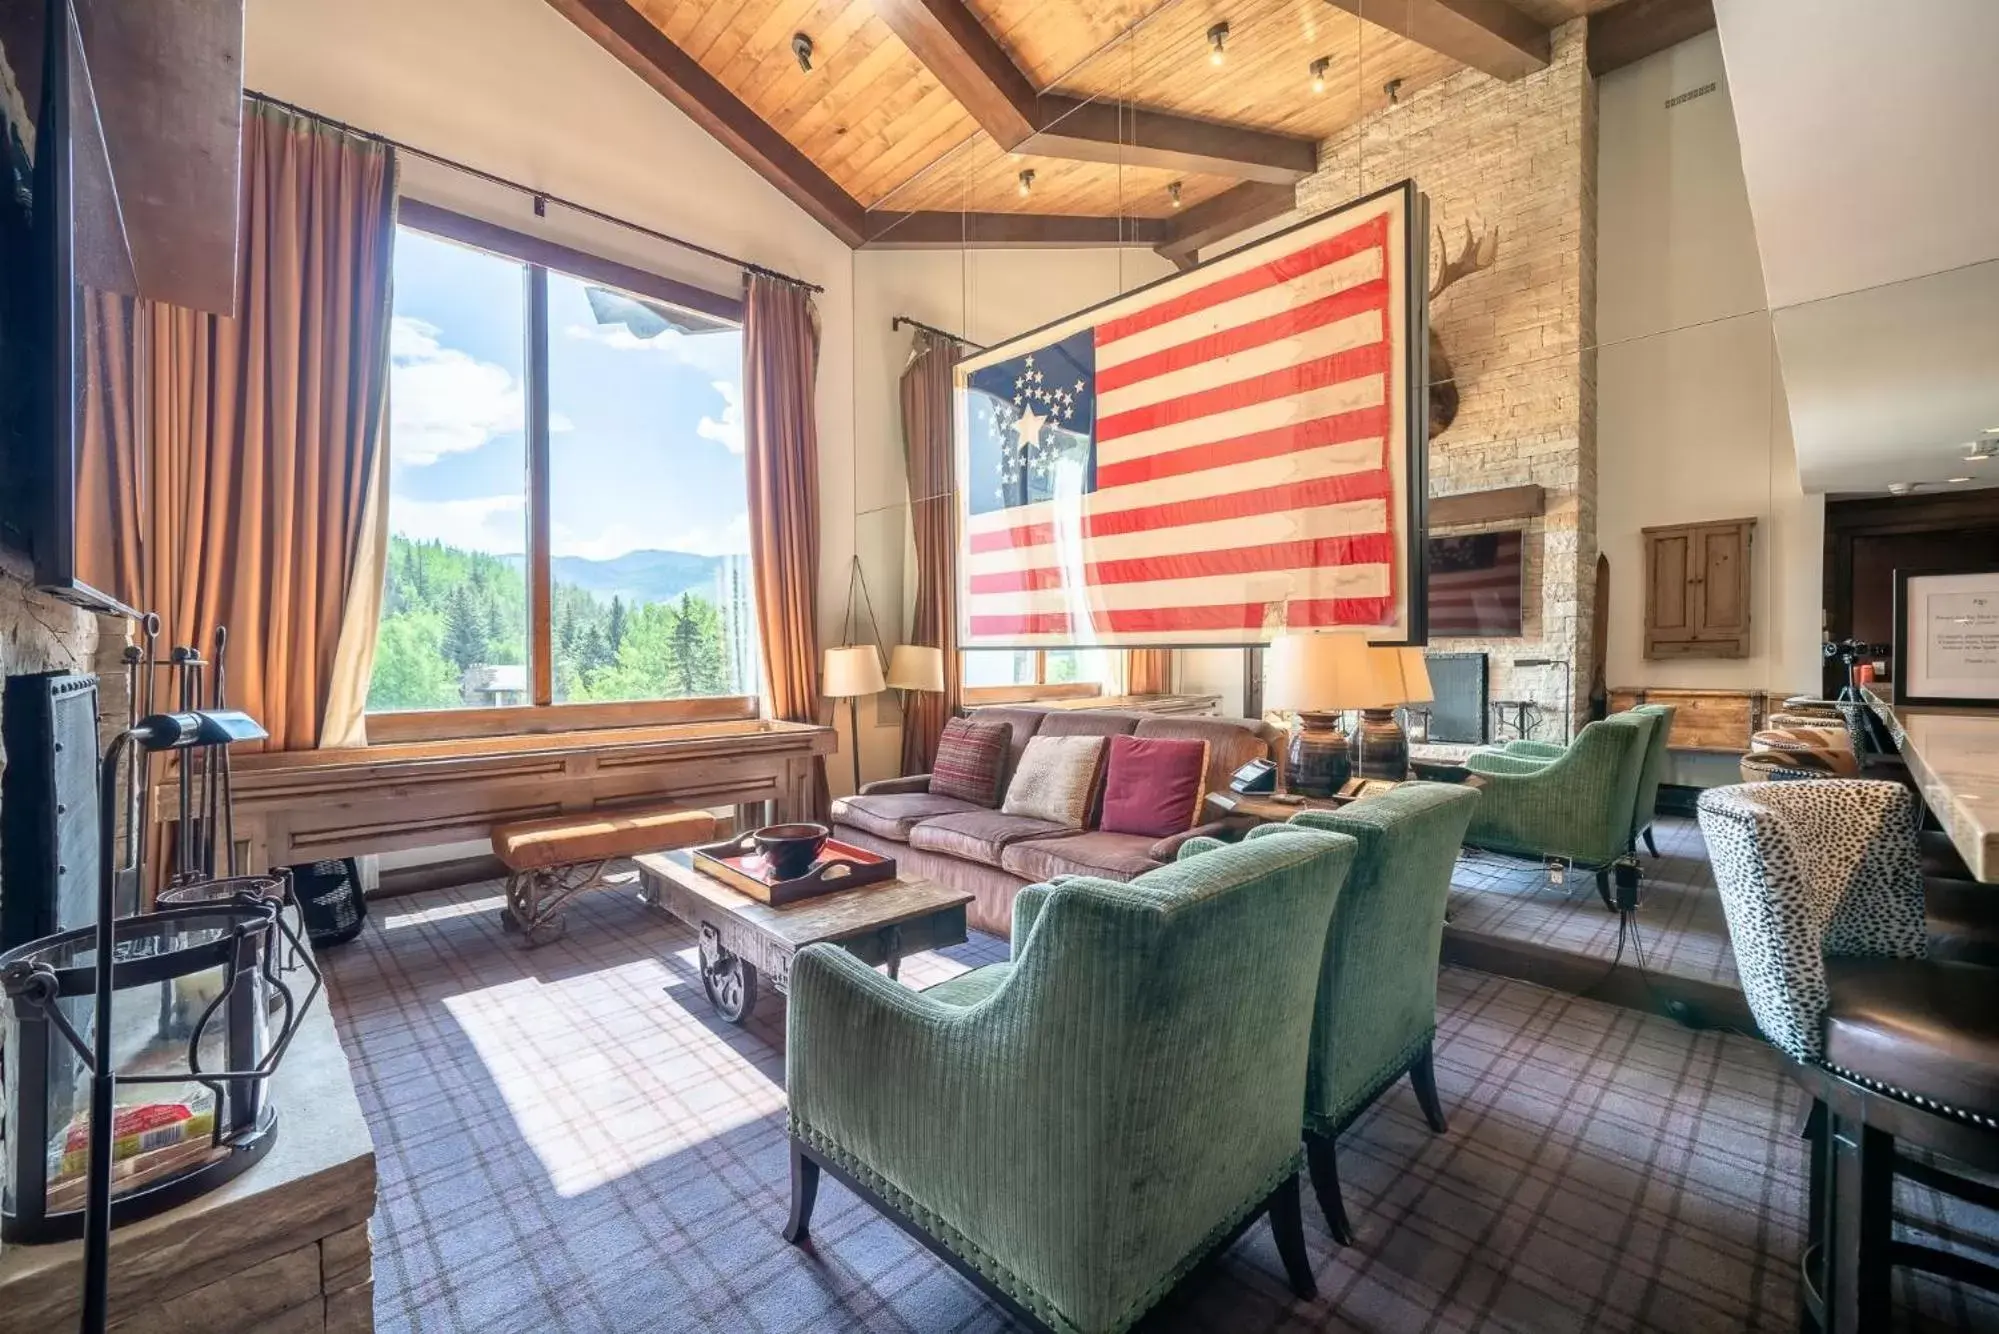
point(116, 1111)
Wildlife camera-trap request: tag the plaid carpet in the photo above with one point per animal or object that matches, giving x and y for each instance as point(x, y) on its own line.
point(569, 1140)
point(1680, 919)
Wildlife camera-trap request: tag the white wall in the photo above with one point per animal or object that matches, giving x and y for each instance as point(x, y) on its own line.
point(1691, 418)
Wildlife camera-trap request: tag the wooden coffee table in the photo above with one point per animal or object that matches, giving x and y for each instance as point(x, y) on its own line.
point(745, 943)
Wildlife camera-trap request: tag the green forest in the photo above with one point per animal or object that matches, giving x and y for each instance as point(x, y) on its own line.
point(445, 609)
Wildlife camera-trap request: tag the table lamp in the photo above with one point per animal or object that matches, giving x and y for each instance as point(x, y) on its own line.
point(916, 667)
point(850, 672)
point(1317, 676)
point(1379, 748)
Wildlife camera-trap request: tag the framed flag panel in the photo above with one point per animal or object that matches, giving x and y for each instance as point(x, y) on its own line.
point(1212, 459)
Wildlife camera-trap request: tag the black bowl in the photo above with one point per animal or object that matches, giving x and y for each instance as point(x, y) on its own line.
point(790, 848)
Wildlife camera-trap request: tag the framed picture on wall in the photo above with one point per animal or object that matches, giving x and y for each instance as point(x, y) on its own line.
point(1947, 637)
point(1213, 459)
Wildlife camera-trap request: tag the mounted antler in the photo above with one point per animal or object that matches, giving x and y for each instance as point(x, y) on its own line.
point(1478, 255)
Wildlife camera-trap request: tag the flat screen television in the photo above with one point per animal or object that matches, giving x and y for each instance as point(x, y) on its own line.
point(69, 351)
point(1475, 586)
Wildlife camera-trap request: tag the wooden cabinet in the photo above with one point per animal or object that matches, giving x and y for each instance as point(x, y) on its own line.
point(1697, 589)
point(1720, 721)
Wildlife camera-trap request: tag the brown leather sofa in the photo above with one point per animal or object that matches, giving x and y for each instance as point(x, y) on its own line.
point(991, 854)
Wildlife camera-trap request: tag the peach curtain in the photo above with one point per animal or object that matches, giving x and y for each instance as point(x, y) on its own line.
point(926, 444)
point(781, 458)
point(1148, 671)
point(244, 499)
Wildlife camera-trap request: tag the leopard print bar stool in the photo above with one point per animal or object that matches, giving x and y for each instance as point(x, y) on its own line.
point(1824, 894)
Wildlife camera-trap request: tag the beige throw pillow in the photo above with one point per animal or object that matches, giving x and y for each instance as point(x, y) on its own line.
point(1054, 778)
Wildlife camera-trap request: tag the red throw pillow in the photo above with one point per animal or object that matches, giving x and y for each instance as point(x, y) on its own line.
point(971, 757)
point(1154, 785)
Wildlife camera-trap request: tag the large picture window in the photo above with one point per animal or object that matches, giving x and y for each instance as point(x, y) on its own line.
point(568, 513)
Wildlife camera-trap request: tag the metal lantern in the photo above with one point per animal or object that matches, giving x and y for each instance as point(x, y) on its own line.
point(202, 1020)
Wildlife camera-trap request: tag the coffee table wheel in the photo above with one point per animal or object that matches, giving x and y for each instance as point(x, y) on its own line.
point(729, 980)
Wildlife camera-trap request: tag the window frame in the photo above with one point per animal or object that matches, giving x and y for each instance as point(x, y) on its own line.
point(541, 715)
point(1027, 692)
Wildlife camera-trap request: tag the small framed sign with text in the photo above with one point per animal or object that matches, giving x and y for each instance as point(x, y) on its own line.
point(1947, 637)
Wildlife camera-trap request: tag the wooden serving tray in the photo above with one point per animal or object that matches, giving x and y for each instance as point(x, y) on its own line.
point(739, 865)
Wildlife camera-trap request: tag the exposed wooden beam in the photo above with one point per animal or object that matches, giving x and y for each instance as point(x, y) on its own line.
point(1495, 506)
point(1635, 29)
point(1488, 35)
point(1100, 131)
point(974, 68)
point(941, 230)
point(971, 64)
point(642, 48)
point(1221, 217)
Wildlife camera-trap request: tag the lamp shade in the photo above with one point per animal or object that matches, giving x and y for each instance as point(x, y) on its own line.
point(916, 667)
point(853, 670)
point(1323, 673)
point(1401, 674)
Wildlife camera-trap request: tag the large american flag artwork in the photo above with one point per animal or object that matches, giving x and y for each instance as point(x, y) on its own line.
point(1213, 459)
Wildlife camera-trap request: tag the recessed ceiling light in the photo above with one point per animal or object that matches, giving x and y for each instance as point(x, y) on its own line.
point(1959, 481)
point(1218, 37)
point(801, 48)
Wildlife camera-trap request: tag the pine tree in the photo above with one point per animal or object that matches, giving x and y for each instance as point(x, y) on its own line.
point(615, 633)
point(464, 633)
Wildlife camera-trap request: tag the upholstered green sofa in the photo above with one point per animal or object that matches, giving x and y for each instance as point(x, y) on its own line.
point(1076, 1129)
point(1649, 776)
point(1375, 1016)
point(1576, 807)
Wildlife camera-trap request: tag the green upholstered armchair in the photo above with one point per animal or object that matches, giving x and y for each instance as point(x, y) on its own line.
point(1646, 805)
point(1577, 807)
point(1076, 1129)
point(1376, 1013)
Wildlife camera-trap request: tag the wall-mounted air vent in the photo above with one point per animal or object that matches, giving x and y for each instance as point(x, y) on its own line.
point(1689, 95)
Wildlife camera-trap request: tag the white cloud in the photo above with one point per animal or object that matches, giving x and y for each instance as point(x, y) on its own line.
point(719, 354)
point(729, 430)
point(444, 401)
point(496, 524)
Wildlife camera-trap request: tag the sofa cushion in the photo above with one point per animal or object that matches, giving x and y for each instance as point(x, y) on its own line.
point(1112, 856)
point(1022, 722)
point(1055, 780)
point(890, 814)
point(1232, 742)
point(978, 836)
point(971, 761)
point(1154, 785)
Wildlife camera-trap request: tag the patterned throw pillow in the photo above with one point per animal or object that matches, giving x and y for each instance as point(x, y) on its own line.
point(971, 756)
point(1154, 785)
point(1054, 779)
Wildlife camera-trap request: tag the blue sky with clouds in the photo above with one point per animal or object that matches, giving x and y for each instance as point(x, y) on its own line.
point(645, 434)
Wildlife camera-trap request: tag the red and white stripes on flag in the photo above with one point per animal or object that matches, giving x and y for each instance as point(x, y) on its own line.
point(1250, 466)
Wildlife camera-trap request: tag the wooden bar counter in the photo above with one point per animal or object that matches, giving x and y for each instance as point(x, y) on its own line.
point(1953, 754)
point(303, 806)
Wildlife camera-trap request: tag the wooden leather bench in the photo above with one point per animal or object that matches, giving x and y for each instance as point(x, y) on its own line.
point(550, 861)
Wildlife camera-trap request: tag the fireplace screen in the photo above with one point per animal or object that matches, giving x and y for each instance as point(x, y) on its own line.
point(1457, 713)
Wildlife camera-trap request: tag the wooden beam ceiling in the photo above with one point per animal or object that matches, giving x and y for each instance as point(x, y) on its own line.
point(1487, 35)
point(627, 34)
point(943, 230)
point(951, 42)
point(1635, 29)
point(1217, 219)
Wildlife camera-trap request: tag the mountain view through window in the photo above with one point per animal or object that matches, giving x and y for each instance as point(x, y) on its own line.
point(647, 511)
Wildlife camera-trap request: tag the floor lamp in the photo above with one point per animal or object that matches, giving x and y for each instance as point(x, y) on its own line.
point(851, 672)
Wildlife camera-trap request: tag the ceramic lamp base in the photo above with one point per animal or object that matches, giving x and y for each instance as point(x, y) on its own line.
point(1378, 748)
point(1318, 764)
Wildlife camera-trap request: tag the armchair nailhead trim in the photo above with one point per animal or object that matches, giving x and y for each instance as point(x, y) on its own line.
point(1332, 1123)
point(1930, 1104)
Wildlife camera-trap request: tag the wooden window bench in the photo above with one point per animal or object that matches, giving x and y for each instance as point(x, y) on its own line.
point(303, 806)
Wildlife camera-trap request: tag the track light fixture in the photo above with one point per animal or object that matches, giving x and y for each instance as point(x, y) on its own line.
point(1218, 39)
point(1026, 186)
point(1394, 90)
point(1173, 193)
point(1319, 68)
point(801, 46)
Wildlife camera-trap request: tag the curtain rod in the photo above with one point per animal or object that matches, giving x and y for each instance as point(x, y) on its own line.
point(901, 320)
point(541, 195)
